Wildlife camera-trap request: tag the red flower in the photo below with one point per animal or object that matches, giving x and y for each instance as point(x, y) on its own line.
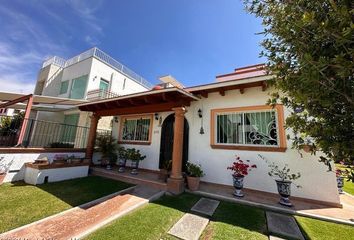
point(240, 168)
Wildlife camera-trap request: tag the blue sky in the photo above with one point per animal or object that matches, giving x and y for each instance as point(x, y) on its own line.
point(193, 40)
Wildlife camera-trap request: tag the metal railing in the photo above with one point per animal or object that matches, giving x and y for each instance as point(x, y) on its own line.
point(44, 134)
point(104, 57)
point(100, 94)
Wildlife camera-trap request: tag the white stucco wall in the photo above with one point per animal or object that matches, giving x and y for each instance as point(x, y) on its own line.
point(316, 182)
point(36, 176)
point(17, 168)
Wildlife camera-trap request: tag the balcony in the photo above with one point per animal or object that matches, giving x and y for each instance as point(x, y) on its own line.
point(102, 56)
point(100, 94)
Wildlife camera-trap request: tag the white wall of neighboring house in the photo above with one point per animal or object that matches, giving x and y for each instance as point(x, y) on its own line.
point(316, 182)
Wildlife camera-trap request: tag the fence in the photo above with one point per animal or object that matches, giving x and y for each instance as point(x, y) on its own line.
point(100, 94)
point(44, 134)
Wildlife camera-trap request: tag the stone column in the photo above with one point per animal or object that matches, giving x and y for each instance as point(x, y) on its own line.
point(175, 183)
point(92, 136)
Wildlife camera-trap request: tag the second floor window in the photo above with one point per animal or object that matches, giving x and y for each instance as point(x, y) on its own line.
point(64, 87)
point(78, 87)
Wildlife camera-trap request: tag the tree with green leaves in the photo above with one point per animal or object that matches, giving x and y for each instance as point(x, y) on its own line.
point(309, 48)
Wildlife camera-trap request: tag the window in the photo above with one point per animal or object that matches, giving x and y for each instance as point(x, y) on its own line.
point(78, 87)
point(136, 129)
point(64, 87)
point(247, 128)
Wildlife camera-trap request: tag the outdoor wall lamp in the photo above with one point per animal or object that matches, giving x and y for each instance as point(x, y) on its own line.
point(156, 116)
point(115, 119)
point(200, 113)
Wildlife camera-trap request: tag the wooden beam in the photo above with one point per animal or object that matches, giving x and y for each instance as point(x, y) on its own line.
point(151, 108)
point(242, 90)
point(204, 94)
point(18, 100)
point(222, 92)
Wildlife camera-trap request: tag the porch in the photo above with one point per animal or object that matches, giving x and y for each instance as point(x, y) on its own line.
point(265, 200)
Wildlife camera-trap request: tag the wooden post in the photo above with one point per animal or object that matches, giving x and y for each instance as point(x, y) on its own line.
point(175, 183)
point(92, 136)
point(25, 119)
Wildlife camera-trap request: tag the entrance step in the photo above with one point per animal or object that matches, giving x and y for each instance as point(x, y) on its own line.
point(206, 206)
point(283, 225)
point(189, 227)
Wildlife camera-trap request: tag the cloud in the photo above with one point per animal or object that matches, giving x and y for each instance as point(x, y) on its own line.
point(11, 83)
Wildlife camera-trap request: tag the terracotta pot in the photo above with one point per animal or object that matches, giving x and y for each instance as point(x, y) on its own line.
point(163, 175)
point(193, 183)
point(2, 177)
point(306, 148)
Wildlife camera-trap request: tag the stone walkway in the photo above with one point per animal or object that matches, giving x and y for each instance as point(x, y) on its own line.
point(283, 225)
point(191, 226)
point(82, 220)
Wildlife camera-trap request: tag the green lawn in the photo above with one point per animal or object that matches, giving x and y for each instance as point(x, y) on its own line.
point(348, 185)
point(315, 229)
point(21, 204)
point(230, 221)
point(233, 221)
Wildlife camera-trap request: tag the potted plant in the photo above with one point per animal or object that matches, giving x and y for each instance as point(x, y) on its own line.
point(122, 155)
point(165, 170)
point(340, 181)
point(240, 170)
point(284, 179)
point(135, 157)
point(107, 146)
point(194, 173)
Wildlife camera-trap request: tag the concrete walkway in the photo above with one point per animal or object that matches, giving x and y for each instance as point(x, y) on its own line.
point(83, 220)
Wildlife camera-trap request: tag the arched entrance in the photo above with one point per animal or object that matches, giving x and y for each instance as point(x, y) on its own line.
point(166, 145)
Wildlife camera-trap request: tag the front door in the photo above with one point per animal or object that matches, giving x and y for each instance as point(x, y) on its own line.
point(166, 146)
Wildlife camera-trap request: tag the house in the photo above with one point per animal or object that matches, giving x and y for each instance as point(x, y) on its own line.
point(90, 75)
point(208, 125)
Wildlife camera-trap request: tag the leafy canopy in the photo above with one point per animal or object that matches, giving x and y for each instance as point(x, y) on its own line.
point(309, 47)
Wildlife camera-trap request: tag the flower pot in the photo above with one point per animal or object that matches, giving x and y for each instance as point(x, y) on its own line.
point(121, 164)
point(306, 148)
point(134, 165)
point(2, 177)
point(238, 185)
point(340, 184)
point(284, 190)
point(163, 174)
point(193, 183)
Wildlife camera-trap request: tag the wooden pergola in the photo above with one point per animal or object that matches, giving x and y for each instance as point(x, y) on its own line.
point(170, 99)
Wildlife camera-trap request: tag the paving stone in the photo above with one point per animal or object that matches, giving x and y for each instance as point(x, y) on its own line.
point(206, 206)
point(275, 238)
point(189, 227)
point(283, 225)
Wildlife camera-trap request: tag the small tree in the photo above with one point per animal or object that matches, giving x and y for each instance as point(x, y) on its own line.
point(309, 47)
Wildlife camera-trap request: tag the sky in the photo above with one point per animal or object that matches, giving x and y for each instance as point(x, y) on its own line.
point(192, 40)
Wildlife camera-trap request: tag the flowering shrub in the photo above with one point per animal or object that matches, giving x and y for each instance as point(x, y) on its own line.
point(240, 168)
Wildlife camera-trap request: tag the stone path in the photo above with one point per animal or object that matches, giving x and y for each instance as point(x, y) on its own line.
point(82, 220)
point(283, 225)
point(191, 226)
point(206, 206)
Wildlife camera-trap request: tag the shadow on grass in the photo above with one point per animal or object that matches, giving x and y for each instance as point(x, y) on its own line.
point(80, 190)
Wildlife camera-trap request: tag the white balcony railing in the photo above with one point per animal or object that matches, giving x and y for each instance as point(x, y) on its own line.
point(104, 57)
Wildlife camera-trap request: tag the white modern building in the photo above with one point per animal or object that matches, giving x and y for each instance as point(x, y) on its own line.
point(91, 75)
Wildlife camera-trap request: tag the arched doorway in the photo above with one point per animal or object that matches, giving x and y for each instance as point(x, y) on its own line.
point(166, 145)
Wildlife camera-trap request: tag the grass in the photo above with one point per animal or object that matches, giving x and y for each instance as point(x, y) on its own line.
point(21, 204)
point(348, 185)
point(315, 229)
point(233, 221)
point(154, 220)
